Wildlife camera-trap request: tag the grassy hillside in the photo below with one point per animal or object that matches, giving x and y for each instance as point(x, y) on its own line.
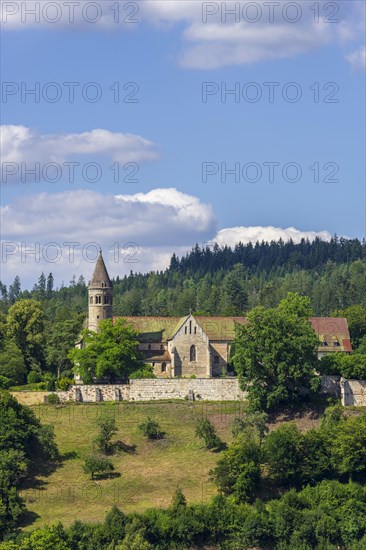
point(146, 473)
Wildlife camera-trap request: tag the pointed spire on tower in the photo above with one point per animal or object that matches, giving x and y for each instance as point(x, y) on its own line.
point(100, 276)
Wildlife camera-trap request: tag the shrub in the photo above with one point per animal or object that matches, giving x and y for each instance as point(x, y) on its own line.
point(107, 429)
point(253, 422)
point(151, 429)
point(144, 372)
point(349, 366)
point(64, 383)
point(238, 471)
point(4, 383)
point(53, 399)
point(34, 376)
point(283, 454)
point(206, 431)
point(95, 464)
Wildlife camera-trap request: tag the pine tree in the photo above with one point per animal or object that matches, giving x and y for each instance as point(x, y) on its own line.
point(49, 287)
point(14, 290)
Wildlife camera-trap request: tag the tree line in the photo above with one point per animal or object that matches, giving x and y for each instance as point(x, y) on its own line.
point(221, 281)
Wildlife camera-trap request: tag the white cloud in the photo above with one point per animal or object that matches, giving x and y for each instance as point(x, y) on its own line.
point(137, 232)
point(358, 58)
point(233, 235)
point(162, 217)
point(213, 40)
point(24, 147)
point(21, 144)
point(214, 37)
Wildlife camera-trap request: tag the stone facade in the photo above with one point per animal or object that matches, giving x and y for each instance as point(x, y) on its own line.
point(99, 295)
point(193, 345)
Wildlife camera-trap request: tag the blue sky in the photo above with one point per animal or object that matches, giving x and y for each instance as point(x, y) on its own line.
point(170, 132)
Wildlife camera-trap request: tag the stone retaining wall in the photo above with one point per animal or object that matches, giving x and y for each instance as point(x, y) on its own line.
point(208, 389)
point(353, 392)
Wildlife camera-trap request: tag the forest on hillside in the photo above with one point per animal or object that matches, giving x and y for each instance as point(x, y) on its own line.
point(38, 327)
point(221, 281)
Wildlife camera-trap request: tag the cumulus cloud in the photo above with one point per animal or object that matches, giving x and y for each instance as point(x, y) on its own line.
point(28, 156)
point(19, 144)
point(219, 34)
point(233, 235)
point(162, 217)
point(212, 36)
point(62, 232)
point(358, 58)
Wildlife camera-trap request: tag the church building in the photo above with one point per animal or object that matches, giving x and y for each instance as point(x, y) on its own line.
point(194, 345)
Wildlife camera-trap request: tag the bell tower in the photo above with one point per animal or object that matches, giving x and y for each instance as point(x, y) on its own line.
point(100, 295)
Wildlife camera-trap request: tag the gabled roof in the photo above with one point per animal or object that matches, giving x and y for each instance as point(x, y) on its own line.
point(331, 330)
point(154, 329)
point(162, 329)
point(220, 328)
point(100, 276)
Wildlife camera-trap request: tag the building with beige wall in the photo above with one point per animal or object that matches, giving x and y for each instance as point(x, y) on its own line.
point(194, 345)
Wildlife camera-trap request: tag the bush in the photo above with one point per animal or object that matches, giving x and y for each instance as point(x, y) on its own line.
point(64, 383)
point(151, 429)
point(4, 383)
point(95, 464)
point(206, 431)
point(34, 376)
point(253, 422)
point(349, 366)
point(146, 371)
point(53, 399)
point(282, 450)
point(238, 471)
point(107, 429)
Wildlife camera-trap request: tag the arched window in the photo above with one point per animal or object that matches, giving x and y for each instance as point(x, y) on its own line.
point(106, 299)
point(192, 353)
point(163, 367)
point(91, 299)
